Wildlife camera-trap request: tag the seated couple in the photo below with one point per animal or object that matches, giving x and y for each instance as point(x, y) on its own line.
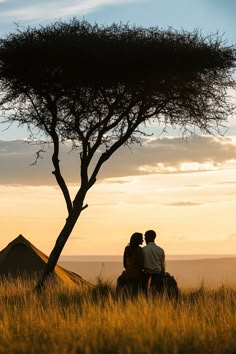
point(143, 266)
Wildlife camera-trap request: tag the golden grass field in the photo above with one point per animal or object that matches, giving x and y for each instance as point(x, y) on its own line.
point(68, 320)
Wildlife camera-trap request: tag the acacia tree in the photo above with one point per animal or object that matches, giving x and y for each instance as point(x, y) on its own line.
point(99, 85)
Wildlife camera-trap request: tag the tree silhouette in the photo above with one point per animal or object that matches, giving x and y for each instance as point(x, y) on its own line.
point(98, 86)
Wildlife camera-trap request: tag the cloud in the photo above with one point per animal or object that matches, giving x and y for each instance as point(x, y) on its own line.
point(77, 238)
point(187, 203)
point(45, 10)
point(16, 158)
point(227, 182)
point(156, 156)
point(117, 181)
point(192, 186)
point(175, 155)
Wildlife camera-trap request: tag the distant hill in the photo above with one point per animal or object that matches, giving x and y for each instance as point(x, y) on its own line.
point(189, 273)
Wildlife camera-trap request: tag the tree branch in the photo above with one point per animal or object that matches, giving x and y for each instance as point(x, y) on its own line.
point(105, 156)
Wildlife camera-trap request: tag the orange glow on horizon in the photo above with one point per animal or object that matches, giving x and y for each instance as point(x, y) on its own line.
point(192, 213)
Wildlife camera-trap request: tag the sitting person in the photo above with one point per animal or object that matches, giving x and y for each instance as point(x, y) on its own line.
point(154, 263)
point(132, 277)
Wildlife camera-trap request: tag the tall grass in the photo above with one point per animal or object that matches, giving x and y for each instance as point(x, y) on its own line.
point(68, 320)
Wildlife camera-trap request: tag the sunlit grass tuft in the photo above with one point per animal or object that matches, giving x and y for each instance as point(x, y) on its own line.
point(68, 320)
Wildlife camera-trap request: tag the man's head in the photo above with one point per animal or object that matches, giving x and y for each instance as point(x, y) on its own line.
point(150, 236)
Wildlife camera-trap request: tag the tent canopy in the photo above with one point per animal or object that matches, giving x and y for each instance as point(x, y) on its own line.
point(21, 258)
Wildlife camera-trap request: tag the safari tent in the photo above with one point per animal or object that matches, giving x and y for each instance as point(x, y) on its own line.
point(20, 257)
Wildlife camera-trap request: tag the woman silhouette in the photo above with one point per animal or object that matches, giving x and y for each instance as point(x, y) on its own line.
point(132, 277)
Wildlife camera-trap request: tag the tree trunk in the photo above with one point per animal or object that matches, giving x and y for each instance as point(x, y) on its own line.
point(56, 251)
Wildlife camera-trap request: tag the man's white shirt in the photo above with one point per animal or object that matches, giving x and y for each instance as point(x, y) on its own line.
point(154, 258)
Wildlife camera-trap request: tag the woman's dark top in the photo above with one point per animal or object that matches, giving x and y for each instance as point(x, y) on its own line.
point(133, 262)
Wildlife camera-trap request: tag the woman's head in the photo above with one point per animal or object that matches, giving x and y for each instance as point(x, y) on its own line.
point(136, 239)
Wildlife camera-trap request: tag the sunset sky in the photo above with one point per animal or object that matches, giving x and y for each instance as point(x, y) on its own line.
point(184, 189)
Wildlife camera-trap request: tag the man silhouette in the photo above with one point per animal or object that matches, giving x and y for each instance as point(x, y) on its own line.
point(154, 262)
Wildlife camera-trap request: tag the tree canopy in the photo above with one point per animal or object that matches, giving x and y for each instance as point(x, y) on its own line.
point(180, 76)
point(97, 85)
